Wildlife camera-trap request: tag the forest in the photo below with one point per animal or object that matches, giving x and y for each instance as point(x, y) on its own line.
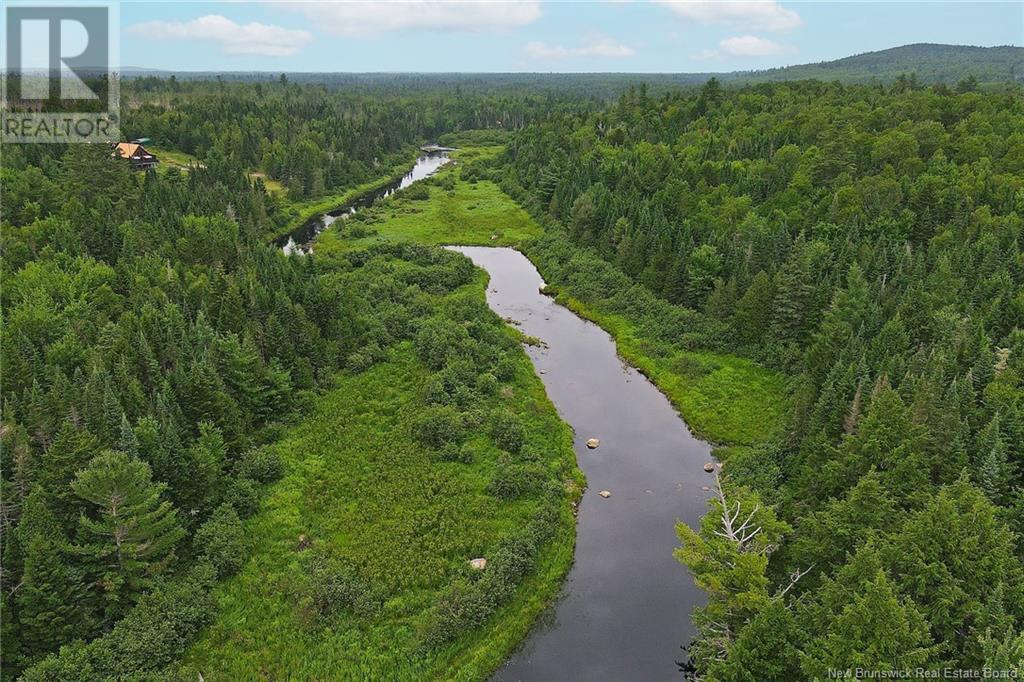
point(866, 242)
point(826, 279)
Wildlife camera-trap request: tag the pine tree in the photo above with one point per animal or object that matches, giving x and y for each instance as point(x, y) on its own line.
point(993, 468)
point(874, 630)
point(71, 451)
point(51, 599)
point(754, 309)
point(131, 533)
point(207, 457)
point(126, 440)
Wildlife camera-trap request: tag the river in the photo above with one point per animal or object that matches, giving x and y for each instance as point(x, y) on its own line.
point(625, 608)
point(300, 239)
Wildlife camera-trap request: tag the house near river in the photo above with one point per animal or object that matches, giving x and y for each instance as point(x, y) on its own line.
point(137, 155)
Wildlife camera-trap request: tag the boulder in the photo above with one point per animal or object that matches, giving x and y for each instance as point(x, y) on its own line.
point(478, 564)
point(605, 494)
point(592, 443)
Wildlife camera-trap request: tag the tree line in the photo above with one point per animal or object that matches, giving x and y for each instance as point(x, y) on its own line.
point(865, 240)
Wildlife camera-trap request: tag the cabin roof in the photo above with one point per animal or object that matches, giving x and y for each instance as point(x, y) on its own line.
point(128, 149)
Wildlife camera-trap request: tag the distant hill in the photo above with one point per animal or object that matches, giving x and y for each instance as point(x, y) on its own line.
point(931, 62)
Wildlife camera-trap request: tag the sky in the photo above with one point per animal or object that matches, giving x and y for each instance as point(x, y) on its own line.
point(541, 35)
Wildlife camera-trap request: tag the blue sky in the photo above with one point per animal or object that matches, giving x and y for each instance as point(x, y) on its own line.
point(542, 35)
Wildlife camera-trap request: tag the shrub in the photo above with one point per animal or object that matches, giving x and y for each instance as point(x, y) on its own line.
point(464, 454)
point(439, 340)
point(221, 541)
point(467, 604)
point(336, 585)
point(464, 605)
point(512, 480)
point(243, 497)
point(364, 358)
point(487, 383)
point(505, 369)
point(439, 426)
point(262, 465)
point(153, 635)
point(465, 396)
point(508, 432)
point(458, 372)
point(416, 192)
point(435, 392)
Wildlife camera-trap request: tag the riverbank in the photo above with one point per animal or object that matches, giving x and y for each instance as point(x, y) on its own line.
point(303, 211)
point(445, 210)
point(725, 399)
point(397, 512)
point(645, 474)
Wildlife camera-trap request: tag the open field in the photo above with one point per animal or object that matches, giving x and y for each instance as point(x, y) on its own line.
point(725, 399)
point(362, 490)
point(472, 214)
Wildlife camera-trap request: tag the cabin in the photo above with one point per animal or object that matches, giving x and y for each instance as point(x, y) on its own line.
point(137, 156)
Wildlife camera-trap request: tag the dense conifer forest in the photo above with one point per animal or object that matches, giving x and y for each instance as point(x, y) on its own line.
point(866, 241)
point(826, 278)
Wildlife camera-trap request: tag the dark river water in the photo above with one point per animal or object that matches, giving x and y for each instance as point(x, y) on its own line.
point(624, 611)
point(625, 608)
point(301, 238)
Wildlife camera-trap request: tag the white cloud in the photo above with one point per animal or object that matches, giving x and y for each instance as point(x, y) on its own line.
point(595, 45)
point(751, 46)
point(252, 38)
point(744, 46)
point(755, 15)
point(366, 19)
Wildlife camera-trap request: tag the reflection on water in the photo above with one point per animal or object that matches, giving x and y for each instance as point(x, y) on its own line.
point(301, 239)
point(626, 603)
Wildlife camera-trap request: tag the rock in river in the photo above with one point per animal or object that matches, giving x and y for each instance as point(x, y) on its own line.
point(593, 443)
point(605, 494)
point(709, 467)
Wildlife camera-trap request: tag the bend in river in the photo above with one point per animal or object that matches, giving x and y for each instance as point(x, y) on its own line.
point(626, 604)
point(301, 238)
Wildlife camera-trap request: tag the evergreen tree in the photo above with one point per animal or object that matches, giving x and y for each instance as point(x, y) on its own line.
point(874, 630)
point(52, 606)
point(130, 533)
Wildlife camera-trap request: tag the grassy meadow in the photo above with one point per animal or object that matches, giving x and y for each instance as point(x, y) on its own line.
point(445, 210)
point(403, 520)
point(724, 398)
point(398, 521)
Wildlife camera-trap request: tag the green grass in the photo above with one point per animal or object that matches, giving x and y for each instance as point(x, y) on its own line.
point(471, 214)
point(274, 187)
point(304, 210)
point(170, 158)
point(359, 485)
point(724, 399)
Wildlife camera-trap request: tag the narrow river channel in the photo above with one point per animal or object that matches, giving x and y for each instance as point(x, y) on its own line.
point(625, 608)
point(624, 612)
point(302, 238)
